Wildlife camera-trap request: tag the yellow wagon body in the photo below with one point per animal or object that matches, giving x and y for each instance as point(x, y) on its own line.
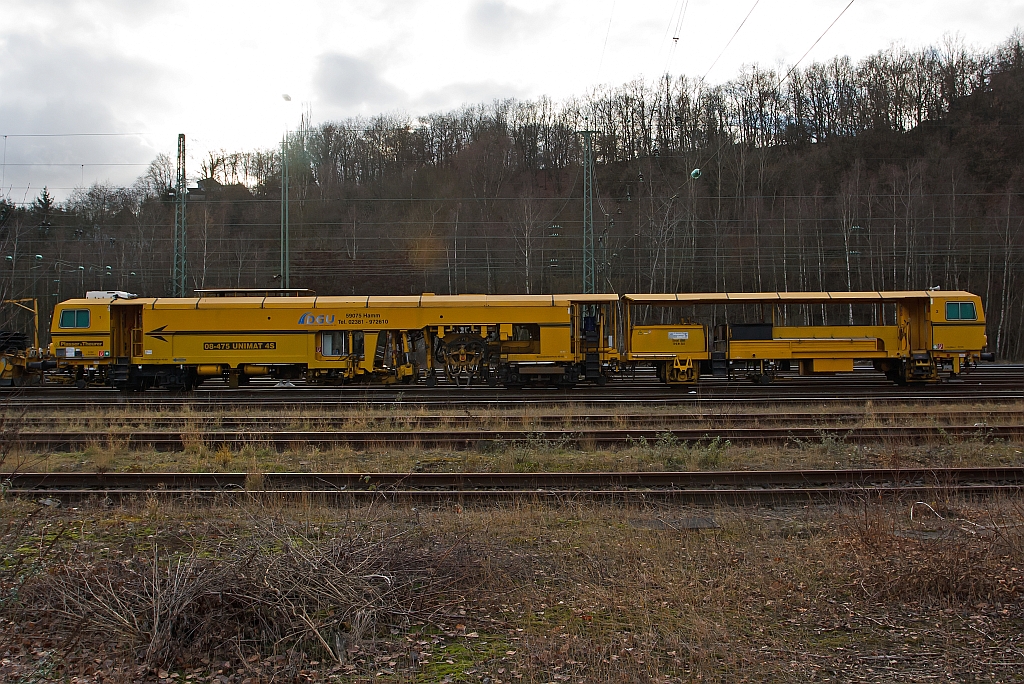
point(174, 342)
point(929, 330)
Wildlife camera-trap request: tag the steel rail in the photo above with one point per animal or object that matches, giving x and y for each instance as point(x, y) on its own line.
point(542, 398)
point(727, 487)
point(618, 387)
point(333, 481)
point(466, 439)
point(167, 403)
point(997, 382)
point(805, 495)
point(448, 420)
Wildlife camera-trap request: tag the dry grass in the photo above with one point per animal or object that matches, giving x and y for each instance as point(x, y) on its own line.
point(529, 451)
point(534, 453)
point(192, 422)
point(525, 593)
point(517, 593)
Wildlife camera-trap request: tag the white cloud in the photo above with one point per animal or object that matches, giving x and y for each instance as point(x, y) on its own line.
point(453, 95)
point(216, 71)
point(352, 85)
point(51, 87)
point(493, 22)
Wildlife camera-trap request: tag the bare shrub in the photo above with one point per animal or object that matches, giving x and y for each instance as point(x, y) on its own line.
point(278, 590)
point(947, 561)
point(12, 457)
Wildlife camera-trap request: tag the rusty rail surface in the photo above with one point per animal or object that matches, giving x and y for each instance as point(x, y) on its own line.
point(727, 487)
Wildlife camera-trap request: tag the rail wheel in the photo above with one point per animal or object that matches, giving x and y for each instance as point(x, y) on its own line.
point(513, 381)
point(897, 374)
point(565, 381)
point(462, 356)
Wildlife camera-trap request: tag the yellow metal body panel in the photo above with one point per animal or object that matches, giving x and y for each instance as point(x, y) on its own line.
point(810, 366)
point(651, 342)
point(188, 304)
point(788, 297)
point(87, 346)
point(805, 348)
point(883, 339)
point(555, 343)
point(958, 338)
point(954, 337)
point(231, 302)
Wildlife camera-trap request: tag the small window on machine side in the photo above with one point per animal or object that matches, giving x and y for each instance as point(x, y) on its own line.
point(74, 318)
point(961, 311)
point(333, 343)
point(525, 332)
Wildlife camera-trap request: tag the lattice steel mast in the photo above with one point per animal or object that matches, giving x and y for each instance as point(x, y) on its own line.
point(285, 228)
point(178, 267)
point(588, 212)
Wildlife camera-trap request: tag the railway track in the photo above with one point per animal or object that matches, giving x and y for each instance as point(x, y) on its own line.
point(75, 401)
point(116, 423)
point(476, 439)
point(990, 383)
point(737, 487)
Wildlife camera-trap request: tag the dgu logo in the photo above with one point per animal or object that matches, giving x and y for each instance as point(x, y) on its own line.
point(321, 319)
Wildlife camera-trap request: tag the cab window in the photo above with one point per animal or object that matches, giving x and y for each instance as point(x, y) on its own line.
point(74, 318)
point(961, 311)
point(337, 343)
point(525, 332)
point(333, 343)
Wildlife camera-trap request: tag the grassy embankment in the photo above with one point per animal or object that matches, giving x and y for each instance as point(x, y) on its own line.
point(527, 593)
point(515, 593)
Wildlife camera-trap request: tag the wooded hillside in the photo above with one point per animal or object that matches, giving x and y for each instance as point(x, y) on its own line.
point(902, 171)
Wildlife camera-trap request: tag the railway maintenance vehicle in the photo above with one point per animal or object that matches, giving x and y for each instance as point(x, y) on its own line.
point(135, 343)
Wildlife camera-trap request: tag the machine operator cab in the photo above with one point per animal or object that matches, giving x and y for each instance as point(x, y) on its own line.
point(80, 337)
point(957, 324)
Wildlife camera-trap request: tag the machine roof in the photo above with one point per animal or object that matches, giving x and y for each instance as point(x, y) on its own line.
point(410, 301)
point(789, 297)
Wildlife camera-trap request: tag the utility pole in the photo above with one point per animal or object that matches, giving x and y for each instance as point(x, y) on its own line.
point(285, 237)
point(588, 212)
point(180, 224)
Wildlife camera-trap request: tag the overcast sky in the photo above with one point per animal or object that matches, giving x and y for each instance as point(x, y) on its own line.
point(217, 70)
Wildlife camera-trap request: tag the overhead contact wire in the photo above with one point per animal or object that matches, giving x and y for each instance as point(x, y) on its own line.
point(735, 33)
point(793, 68)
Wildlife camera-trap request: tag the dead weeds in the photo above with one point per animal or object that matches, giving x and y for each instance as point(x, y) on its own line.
point(514, 594)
